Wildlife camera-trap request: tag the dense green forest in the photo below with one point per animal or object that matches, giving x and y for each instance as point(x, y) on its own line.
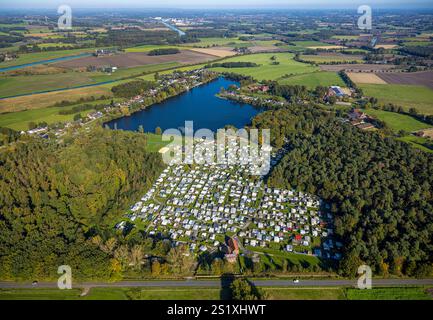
point(380, 190)
point(132, 88)
point(56, 198)
point(163, 51)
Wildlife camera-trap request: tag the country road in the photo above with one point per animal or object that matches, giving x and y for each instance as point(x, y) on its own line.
point(218, 283)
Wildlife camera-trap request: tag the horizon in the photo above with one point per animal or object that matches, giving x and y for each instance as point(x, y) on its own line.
point(221, 5)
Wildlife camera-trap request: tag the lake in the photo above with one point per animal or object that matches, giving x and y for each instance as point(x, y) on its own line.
point(199, 105)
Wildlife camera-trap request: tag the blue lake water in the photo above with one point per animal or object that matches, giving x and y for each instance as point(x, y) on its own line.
point(199, 105)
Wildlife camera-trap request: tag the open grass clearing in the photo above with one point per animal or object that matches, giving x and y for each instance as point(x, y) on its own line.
point(406, 293)
point(304, 293)
point(43, 100)
point(321, 58)
point(407, 96)
point(20, 120)
point(314, 79)
point(40, 56)
point(266, 70)
point(397, 121)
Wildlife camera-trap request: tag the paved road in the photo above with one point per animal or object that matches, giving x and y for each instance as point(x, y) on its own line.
point(218, 283)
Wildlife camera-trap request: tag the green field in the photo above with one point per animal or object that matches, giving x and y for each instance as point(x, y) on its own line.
point(199, 293)
point(415, 293)
point(39, 56)
point(406, 96)
point(314, 79)
point(149, 47)
point(417, 43)
point(304, 293)
point(334, 58)
point(15, 85)
point(209, 42)
point(19, 120)
point(345, 37)
point(417, 142)
point(278, 255)
point(113, 294)
point(306, 44)
point(397, 121)
point(267, 71)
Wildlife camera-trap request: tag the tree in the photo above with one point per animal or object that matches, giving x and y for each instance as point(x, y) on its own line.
point(242, 290)
point(77, 117)
point(156, 268)
point(332, 100)
point(181, 260)
point(136, 256)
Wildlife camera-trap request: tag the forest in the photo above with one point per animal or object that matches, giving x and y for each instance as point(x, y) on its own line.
point(379, 189)
point(56, 198)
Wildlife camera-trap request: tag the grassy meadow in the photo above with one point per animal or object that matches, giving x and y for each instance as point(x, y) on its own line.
point(200, 293)
point(39, 56)
point(397, 121)
point(406, 96)
point(20, 120)
point(314, 79)
point(26, 84)
point(266, 70)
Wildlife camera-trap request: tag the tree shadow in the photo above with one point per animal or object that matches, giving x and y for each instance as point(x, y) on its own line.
point(226, 281)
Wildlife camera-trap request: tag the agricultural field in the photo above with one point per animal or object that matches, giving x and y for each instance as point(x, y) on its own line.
point(358, 67)
point(415, 293)
point(19, 120)
point(44, 100)
point(305, 293)
point(266, 70)
point(150, 47)
point(397, 121)
point(224, 42)
point(26, 84)
point(417, 43)
point(314, 79)
point(135, 59)
point(331, 57)
point(345, 37)
point(310, 44)
point(423, 78)
point(365, 78)
point(40, 56)
point(407, 96)
point(219, 52)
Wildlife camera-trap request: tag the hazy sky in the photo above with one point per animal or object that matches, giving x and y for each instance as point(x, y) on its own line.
point(313, 4)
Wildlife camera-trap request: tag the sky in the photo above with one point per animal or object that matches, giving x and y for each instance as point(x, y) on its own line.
point(188, 4)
